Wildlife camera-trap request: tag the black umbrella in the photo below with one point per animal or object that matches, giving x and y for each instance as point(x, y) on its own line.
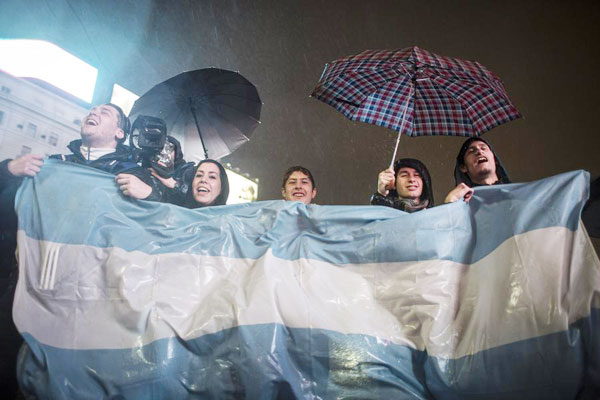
point(213, 110)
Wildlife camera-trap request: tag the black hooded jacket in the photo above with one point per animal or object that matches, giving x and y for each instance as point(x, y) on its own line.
point(221, 198)
point(183, 173)
point(591, 211)
point(392, 199)
point(461, 177)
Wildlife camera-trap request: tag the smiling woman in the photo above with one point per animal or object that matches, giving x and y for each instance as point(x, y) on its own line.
point(210, 186)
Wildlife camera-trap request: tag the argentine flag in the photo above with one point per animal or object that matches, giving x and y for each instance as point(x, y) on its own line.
point(118, 298)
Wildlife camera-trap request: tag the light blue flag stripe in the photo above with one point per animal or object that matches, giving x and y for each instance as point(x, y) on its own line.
point(337, 234)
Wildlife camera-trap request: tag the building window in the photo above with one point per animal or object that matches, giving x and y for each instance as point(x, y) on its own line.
point(1, 117)
point(25, 150)
point(5, 90)
point(53, 139)
point(77, 122)
point(31, 129)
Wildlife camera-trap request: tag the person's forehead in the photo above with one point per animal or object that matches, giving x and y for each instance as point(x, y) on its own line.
point(208, 167)
point(107, 108)
point(408, 170)
point(298, 175)
point(477, 143)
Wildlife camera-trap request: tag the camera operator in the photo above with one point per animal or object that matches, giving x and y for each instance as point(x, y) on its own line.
point(161, 155)
point(178, 183)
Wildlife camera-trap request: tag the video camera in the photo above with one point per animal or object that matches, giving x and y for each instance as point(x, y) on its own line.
point(148, 141)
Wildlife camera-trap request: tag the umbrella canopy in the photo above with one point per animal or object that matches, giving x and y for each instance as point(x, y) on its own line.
point(416, 92)
point(214, 111)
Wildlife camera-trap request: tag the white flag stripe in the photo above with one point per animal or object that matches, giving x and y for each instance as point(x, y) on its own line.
point(448, 308)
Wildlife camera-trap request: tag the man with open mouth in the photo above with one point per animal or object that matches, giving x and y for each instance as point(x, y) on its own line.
point(298, 185)
point(476, 165)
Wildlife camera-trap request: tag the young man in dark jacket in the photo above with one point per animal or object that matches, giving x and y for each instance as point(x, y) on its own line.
point(476, 165)
point(407, 187)
point(102, 132)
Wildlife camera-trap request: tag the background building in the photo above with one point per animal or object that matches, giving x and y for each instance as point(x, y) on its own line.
point(36, 117)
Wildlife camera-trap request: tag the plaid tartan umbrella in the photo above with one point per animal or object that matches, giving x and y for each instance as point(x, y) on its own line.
point(416, 92)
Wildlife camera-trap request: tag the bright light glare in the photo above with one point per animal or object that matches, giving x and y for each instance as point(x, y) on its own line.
point(123, 98)
point(48, 62)
point(241, 189)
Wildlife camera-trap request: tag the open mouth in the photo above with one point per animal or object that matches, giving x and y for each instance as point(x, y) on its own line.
point(481, 160)
point(203, 189)
point(298, 194)
point(91, 122)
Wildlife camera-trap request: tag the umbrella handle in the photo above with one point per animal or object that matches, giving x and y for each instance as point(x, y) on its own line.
point(193, 110)
point(401, 129)
point(396, 148)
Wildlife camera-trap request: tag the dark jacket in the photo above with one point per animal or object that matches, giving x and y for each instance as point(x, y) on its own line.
point(392, 199)
point(120, 161)
point(221, 198)
point(183, 173)
point(591, 212)
point(461, 177)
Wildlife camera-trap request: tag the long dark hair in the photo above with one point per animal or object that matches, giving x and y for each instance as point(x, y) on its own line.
point(221, 198)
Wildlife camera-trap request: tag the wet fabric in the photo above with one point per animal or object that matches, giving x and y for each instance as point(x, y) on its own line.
point(495, 299)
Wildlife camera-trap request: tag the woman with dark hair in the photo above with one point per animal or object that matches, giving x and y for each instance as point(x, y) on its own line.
point(407, 187)
point(209, 186)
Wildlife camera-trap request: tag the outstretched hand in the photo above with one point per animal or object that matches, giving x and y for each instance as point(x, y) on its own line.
point(132, 186)
point(26, 165)
point(386, 181)
point(461, 191)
